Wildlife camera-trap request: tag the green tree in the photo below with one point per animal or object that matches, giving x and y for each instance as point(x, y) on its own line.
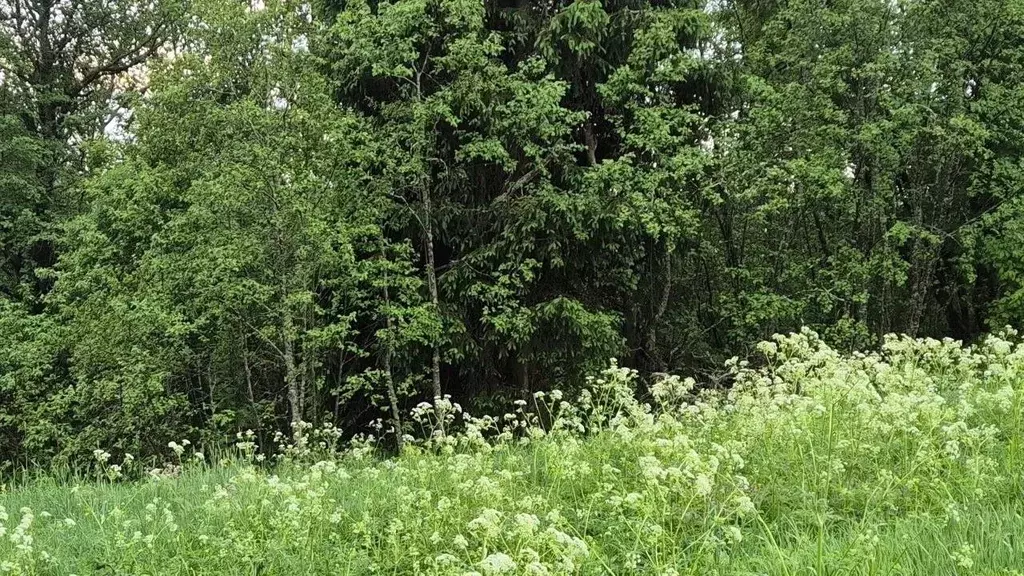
point(63, 68)
point(853, 167)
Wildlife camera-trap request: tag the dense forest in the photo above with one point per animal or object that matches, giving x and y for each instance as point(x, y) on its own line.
point(220, 215)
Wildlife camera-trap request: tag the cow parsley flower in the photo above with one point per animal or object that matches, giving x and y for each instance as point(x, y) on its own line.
point(498, 563)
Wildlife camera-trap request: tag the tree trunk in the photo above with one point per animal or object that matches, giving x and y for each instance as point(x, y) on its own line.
point(396, 414)
point(249, 389)
point(291, 373)
point(523, 378)
point(591, 143)
point(392, 396)
point(305, 370)
point(655, 362)
point(435, 368)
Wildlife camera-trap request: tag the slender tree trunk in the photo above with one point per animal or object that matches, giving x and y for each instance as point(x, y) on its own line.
point(389, 381)
point(591, 143)
point(396, 414)
point(210, 383)
point(428, 233)
point(310, 400)
point(249, 389)
point(523, 377)
point(302, 374)
point(305, 366)
point(920, 278)
point(435, 368)
point(291, 373)
point(657, 364)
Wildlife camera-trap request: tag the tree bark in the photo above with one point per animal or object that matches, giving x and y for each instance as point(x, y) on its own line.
point(249, 389)
point(305, 369)
point(651, 340)
point(523, 377)
point(396, 414)
point(389, 381)
point(591, 142)
point(435, 364)
point(291, 375)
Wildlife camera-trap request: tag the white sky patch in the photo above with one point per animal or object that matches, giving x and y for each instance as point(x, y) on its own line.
point(116, 128)
point(277, 101)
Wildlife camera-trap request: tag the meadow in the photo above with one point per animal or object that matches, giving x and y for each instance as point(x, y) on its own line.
point(906, 460)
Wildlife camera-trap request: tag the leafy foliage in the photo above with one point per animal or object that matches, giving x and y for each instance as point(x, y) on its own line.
point(221, 215)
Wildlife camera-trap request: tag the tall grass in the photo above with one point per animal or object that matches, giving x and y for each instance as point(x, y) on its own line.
point(904, 461)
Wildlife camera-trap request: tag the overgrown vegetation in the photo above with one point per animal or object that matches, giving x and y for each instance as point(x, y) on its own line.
point(904, 461)
point(220, 215)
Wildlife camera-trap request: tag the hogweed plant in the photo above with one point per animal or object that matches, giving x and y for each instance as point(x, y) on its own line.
point(906, 460)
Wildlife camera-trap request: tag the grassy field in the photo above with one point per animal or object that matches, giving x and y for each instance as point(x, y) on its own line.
point(906, 461)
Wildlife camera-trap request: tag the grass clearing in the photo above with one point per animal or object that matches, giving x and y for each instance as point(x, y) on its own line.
point(905, 461)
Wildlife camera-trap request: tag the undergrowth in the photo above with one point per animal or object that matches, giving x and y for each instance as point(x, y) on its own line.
point(902, 461)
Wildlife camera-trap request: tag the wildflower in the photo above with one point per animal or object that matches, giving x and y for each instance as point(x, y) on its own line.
point(445, 560)
point(487, 524)
point(498, 563)
point(569, 544)
point(527, 523)
point(537, 569)
point(745, 506)
point(703, 484)
point(651, 468)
